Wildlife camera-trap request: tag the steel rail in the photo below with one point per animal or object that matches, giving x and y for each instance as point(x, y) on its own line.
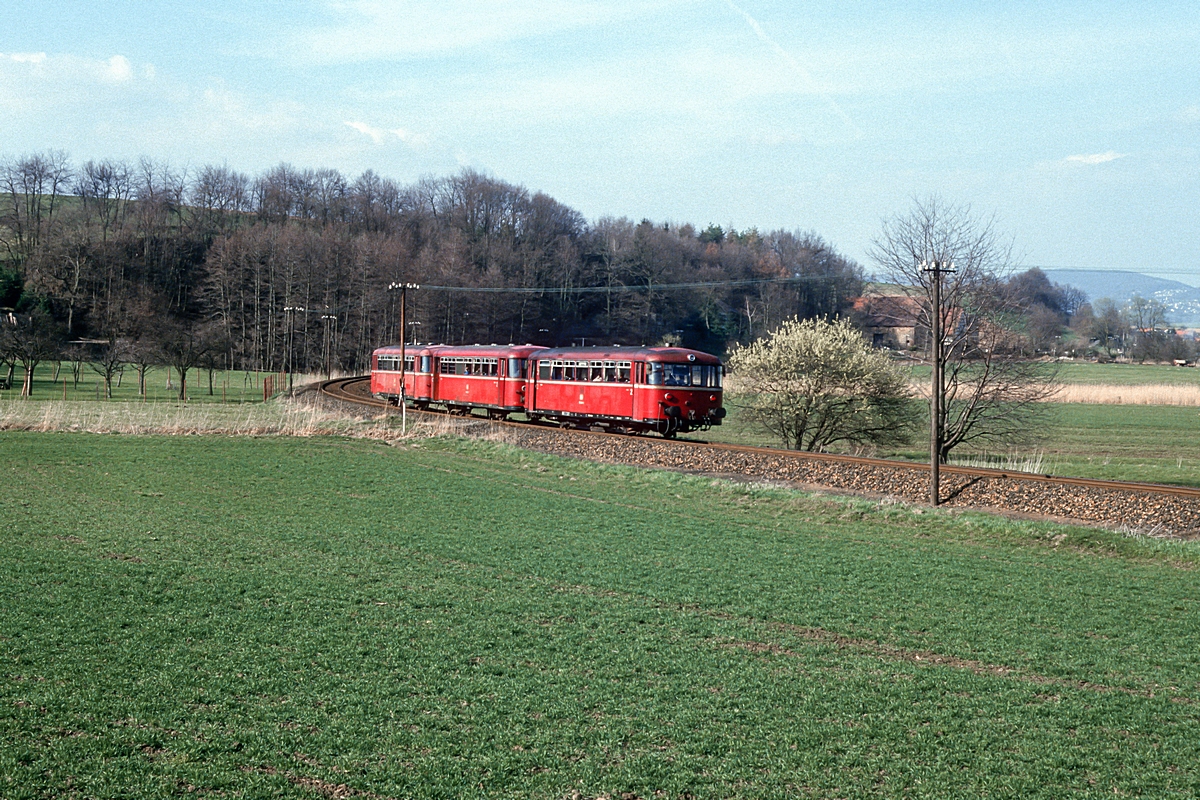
point(337, 389)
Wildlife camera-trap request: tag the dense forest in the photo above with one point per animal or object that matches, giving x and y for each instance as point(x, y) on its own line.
point(291, 269)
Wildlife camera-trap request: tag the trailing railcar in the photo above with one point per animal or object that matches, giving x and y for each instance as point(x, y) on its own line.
point(418, 373)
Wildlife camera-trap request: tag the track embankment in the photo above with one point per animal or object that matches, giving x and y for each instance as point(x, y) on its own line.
point(1149, 509)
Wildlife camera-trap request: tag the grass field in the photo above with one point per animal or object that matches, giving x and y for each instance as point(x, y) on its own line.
point(342, 618)
point(1158, 444)
point(232, 386)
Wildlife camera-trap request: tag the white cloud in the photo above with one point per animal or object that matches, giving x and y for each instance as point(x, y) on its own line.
point(1095, 158)
point(117, 69)
point(67, 70)
point(411, 139)
point(373, 29)
point(375, 133)
point(379, 135)
point(26, 58)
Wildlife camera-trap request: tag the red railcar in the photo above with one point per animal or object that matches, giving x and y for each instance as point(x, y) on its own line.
point(418, 373)
point(667, 390)
point(490, 377)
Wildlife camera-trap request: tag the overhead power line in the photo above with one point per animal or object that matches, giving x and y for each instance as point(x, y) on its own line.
point(657, 287)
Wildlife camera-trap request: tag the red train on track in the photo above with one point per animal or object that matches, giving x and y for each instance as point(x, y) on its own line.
point(665, 390)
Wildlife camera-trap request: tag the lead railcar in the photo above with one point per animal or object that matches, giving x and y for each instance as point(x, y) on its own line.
point(667, 390)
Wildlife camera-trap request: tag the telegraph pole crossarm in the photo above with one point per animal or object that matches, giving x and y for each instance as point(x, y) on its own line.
point(938, 387)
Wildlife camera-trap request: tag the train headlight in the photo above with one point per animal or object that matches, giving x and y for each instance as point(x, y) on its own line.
point(669, 396)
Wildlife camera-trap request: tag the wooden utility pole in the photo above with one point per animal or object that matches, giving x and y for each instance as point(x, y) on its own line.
point(403, 287)
point(938, 387)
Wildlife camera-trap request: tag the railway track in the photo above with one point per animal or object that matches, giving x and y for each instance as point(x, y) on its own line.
point(1149, 508)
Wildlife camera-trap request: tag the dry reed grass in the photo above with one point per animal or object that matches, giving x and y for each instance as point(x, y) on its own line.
point(282, 417)
point(1150, 394)
point(1034, 463)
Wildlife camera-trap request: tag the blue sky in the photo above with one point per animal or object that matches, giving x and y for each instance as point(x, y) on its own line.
point(1076, 124)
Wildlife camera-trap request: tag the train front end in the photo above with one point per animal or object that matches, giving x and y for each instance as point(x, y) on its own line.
point(681, 390)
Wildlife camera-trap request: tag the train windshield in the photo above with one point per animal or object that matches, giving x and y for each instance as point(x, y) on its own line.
point(696, 375)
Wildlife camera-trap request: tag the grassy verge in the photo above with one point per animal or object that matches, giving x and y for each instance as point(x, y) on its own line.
point(307, 617)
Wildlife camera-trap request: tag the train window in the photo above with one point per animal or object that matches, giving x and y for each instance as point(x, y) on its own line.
point(410, 363)
point(597, 371)
point(623, 372)
point(425, 366)
point(654, 374)
point(516, 368)
point(676, 374)
point(698, 375)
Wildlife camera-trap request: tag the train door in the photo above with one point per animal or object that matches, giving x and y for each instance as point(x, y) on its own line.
point(644, 406)
point(495, 366)
point(618, 382)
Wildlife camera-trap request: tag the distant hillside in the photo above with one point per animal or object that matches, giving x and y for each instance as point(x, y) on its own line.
point(1182, 301)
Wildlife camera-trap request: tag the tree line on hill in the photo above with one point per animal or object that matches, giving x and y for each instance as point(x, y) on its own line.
point(136, 263)
point(290, 269)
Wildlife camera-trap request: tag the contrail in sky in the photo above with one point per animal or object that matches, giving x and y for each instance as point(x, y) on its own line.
point(796, 65)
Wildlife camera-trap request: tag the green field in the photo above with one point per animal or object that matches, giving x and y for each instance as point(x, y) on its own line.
point(1127, 374)
point(214, 615)
point(1158, 444)
point(229, 386)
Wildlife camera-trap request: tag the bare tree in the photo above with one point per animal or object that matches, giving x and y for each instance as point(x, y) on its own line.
point(105, 190)
point(30, 340)
point(109, 360)
point(184, 345)
point(991, 395)
point(32, 188)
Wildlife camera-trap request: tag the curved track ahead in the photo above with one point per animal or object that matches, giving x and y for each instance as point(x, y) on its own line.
point(339, 390)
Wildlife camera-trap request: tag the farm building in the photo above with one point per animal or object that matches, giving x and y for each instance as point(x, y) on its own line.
point(891, 321)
